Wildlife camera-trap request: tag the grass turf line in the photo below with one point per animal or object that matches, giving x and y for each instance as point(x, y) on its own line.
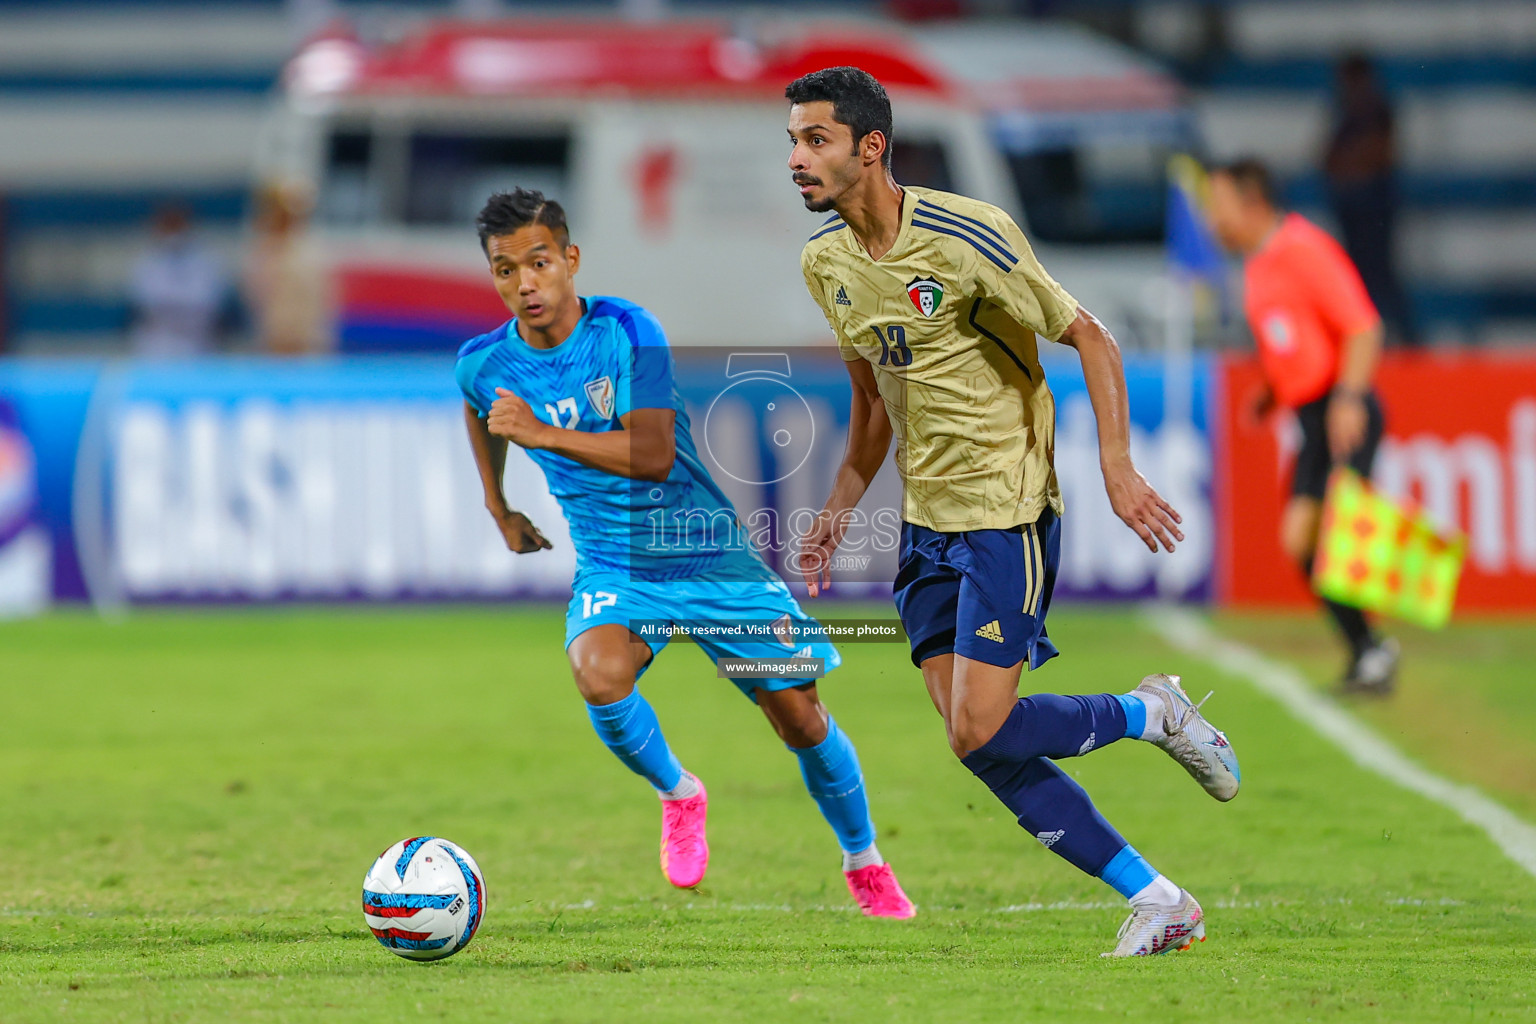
point(1463, 689)
point(191, 800)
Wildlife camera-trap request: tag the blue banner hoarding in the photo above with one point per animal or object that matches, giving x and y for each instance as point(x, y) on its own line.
point(350, 479)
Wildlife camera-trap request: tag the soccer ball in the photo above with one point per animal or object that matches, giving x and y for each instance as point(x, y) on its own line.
point(424, 898)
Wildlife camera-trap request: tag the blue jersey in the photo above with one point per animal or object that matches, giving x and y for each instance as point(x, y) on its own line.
point(616, 360)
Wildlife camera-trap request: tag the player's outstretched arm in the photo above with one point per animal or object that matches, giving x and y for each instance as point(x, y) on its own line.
point(644, 450)
point(869, 438)
point(1133, 499)
point(490, 452)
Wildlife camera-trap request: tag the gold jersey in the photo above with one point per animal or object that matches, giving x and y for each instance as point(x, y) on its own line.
point(948, 320)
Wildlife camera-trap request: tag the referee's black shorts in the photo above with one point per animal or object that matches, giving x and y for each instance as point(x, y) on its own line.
point(1314, 462)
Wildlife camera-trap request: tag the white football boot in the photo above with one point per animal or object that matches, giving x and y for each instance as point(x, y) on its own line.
point(1189, 739)
point(1155, 930)
point(1375, 671)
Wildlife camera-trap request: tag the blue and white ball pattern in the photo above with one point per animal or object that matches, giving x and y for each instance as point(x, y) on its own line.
point(424, 898)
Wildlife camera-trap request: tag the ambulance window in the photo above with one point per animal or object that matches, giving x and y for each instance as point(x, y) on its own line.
point(1103, 192)
point(350, 193)
point(924, 164)
point(452, 174)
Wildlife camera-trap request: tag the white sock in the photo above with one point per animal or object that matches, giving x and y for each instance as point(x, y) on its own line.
point(687, 787)
point(863, 859)
point(1158, 893)
point(1154, 728)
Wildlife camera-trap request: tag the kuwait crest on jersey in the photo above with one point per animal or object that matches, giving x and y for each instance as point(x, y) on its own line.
point(926, 294)
point(600, 394)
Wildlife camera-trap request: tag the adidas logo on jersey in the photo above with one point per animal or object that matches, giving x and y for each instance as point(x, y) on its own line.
point(804, 652)
point(842, 297)
point(1049, 839)
point(991, 631)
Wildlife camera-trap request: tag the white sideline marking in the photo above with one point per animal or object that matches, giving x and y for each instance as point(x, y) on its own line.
point(1190, 632)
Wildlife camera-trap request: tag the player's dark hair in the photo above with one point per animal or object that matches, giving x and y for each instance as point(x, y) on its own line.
point(505, 212)
point(1252, 176)
point(858, 101)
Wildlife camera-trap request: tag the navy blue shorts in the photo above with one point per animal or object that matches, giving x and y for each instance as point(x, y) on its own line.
point(982, 594)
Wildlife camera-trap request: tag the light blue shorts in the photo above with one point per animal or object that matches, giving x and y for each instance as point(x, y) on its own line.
point(751, 619)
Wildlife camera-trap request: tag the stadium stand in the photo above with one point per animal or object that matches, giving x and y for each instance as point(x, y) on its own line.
point(168, 95)
point(1463, 78)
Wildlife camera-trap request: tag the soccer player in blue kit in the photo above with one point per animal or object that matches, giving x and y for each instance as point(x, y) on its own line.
point(614, 444)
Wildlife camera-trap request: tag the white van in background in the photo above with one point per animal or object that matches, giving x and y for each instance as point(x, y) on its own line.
point(666, 143)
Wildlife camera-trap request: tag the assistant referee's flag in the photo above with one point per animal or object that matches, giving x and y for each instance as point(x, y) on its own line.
point(1382, 558)
point(1192, 247)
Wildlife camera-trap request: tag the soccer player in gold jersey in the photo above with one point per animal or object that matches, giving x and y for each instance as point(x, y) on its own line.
point(936, 301)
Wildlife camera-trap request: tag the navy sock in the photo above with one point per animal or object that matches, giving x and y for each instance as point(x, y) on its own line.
point(1050, 806)
point(832, 775)
point(630, 729)
point(1052, 725)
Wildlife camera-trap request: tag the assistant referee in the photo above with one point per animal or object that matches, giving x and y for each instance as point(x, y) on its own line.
point(1319, 340)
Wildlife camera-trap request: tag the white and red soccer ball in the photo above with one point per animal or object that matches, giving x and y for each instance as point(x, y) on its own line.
point(424, 898)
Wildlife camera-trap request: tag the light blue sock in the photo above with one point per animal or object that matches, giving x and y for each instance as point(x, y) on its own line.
point(1128, 872)
point(1135, 715)
point(831, 771)
point(630, 729)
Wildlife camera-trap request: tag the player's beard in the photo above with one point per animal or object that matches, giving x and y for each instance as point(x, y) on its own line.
point(821, 205)
point(834, 192)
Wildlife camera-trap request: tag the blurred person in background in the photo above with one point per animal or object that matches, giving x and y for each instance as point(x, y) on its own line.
point(287, 282)
point(1360, 165)
point(177, 290)
point(1319, 340)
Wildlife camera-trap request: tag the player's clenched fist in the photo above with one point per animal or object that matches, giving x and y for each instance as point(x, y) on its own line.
point(520, 534)
point(513, 419)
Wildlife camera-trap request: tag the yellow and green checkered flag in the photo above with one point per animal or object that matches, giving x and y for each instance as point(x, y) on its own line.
point(1374, 555)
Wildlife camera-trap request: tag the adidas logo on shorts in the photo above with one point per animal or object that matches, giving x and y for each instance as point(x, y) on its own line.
point(1049, 839)
point(991, 631)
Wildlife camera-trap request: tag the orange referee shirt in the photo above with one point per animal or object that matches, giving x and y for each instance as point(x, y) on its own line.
point(1303, 297)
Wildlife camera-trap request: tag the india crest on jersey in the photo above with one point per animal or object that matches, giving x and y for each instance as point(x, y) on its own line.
point(926, 294)
point(600, 394)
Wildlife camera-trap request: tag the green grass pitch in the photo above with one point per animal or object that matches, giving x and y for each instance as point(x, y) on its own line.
point(188, 802)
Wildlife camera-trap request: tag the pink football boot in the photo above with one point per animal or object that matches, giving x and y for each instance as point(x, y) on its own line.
point(684, 850)
point(878, 893)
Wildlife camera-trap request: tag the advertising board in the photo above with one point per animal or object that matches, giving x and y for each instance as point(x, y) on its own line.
point(350, 479)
